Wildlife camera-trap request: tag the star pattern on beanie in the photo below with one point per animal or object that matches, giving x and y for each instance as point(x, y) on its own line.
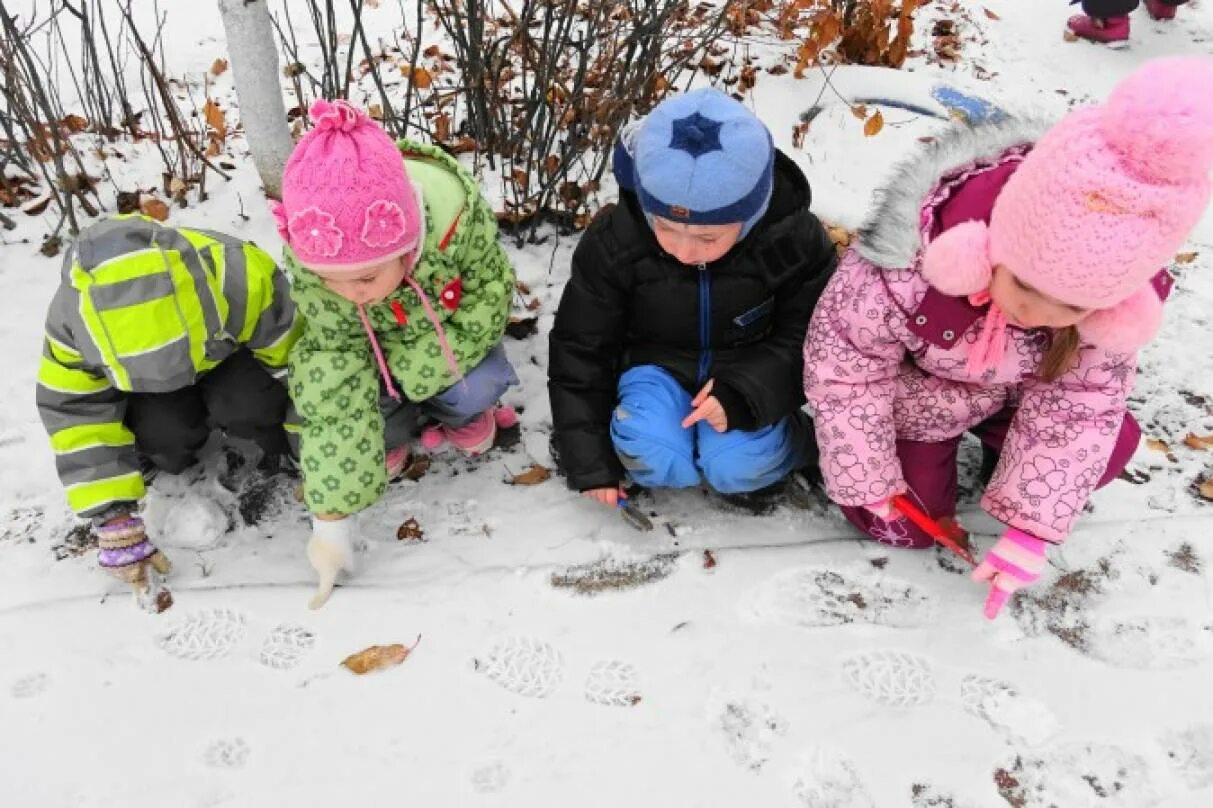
point(695, 135)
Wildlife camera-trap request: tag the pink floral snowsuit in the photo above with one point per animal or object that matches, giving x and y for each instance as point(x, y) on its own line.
point(886, 372)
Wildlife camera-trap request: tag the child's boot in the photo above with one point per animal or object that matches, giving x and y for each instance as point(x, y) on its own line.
point(1111, 31)
point(474, 438)
point(1160, 10)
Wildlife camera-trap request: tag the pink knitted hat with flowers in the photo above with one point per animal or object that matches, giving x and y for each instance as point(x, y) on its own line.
point(347, 202)
point(1100, 204)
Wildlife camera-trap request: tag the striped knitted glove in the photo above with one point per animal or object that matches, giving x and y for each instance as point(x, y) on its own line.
point(1014, 561)
point(125, 552)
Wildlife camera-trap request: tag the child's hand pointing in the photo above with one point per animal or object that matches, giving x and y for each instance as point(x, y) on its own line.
point(707, 408)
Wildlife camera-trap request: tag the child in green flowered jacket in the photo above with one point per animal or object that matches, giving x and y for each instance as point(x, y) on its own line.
point(405, 293)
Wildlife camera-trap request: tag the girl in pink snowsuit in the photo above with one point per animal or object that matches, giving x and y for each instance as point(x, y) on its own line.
point(1003, 287)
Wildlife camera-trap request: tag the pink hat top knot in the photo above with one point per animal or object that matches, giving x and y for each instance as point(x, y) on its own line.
point(347, 202)
point(1110, 193)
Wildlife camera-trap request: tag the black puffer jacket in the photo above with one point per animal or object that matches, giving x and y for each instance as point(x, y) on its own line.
point(630, 303)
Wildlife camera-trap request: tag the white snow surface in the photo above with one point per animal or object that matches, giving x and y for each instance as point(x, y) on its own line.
point(808, 667)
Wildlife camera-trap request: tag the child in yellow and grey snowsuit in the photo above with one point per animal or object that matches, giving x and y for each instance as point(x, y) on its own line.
point(155, 335)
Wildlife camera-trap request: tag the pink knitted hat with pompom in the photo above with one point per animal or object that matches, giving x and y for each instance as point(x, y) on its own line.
point(347, 202)
point(1099, 205)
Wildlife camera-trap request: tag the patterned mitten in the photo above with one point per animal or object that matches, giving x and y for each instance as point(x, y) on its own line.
point(1014, 561)
point(125, 552)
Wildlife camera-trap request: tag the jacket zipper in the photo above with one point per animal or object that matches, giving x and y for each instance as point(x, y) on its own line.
point(705, 323)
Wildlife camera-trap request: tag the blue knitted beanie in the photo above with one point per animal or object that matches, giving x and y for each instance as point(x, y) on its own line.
point(703, 158)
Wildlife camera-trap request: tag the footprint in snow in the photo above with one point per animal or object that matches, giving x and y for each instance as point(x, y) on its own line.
point(29, 686)
point(285, 646)
point(227, 753)
point(819, 596)
point(207, 634)
point(890, 677)
point(524, 665)
point(824, 778)
point(750, 729)
point(1020, 719)
point(613, 683)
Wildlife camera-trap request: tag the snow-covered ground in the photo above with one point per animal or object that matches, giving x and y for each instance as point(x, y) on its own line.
point(806, 667)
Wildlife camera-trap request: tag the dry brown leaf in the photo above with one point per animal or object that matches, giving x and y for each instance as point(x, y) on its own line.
point(464, 145)
point(378, 657)
point(430, 52)
point(533, 304)
point(218, 67)
point(215, 118)
point(798, 134)
point(1198, 442)
point(1206, 489)
point(1158, 445)
point(709, 559)
point(156, 208)
point(213, 148)
point(75, 123)
point(532, 476)
point(1069, 36)
point(176, 186)
point(37, 205)
point(522, 288)
point(990, 14)
point(860, 111)
point(872, 127)
point(442, 128)
point(1186, 257)
point(420, 78)
point(410, 530)
point(375, 112)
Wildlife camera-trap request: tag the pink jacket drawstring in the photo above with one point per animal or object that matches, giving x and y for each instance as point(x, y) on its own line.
point(433, 317)
point(992, 341)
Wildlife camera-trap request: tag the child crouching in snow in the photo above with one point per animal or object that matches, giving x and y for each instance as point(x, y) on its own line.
point(405, 294)
point(1003, 287)
point(676, 351)
point(156, 336)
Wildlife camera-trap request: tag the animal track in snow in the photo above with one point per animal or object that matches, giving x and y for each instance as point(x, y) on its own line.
point(1078, 775)
point(1190, 751)
point(893, 678)
point(285, 646)
point(524, 665)
point(207, 634)
point(1149, 642)
point(750, 727)
point(826, 779)
point(29, 686)
point(1020, 719)
point(818, 596)
point(612, 683)
point(227, 753)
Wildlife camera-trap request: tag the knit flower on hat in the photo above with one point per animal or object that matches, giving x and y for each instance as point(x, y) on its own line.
point(383, 224)
point(315, 232)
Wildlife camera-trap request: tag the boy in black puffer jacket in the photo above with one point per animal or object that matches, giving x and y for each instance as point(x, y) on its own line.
point(676, 352)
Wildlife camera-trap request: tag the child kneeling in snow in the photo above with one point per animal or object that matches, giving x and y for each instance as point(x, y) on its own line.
point(675, 355)
point(405, 295)
point(156, 335)
point(1003, 287)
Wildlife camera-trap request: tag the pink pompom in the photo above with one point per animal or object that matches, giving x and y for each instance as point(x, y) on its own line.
point(957, 262)
point(1127, 326)
point(335, 116)
point(1160, 119)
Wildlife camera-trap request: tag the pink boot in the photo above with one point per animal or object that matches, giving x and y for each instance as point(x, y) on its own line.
point(475, 437)
point(396, 460)
point(1160, 10)
point(1113, 31)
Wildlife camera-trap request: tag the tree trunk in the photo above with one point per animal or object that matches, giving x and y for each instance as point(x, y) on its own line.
point(254, 56)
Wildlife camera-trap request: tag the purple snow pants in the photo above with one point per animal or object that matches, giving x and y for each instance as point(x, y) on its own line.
point(930, 472)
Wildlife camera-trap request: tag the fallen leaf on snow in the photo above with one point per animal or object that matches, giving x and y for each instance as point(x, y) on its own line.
point(218, 67)
point(533, 304)
point(1186, 257)
point(410, 530)
point(378, 657)
point(709, 559)
point(1198, 442)
point(215, 118)
point(1206, 489)
point(873, 125)
point(991, 14)
point(1069, 36)
point(532, 476)
point(151, 206)
point(1158, 445)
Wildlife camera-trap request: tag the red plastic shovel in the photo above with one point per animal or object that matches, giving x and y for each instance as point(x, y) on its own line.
point(931, 527)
